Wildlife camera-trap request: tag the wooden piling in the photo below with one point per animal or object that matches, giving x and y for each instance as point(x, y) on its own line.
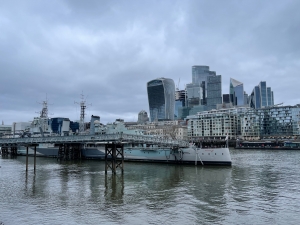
point(34, 158)
point(26, 158)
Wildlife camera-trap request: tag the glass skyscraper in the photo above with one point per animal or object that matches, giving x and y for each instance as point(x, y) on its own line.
point(214, 91)
point(161, 98)
point(199, 74)
point(263, 93)
point(237, 91)
point(261, 96)
point(204, 93)
point(199, 88)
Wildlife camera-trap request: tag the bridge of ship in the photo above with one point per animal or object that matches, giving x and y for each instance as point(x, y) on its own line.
point(70, 146)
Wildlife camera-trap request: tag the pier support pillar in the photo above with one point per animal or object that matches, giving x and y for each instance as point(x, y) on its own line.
point(34, 164)
point(114, 157)
point(26, 158)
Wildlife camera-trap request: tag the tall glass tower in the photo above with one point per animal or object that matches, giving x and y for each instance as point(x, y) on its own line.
point(214, 91)
point(237, 91)
point(263, 93)
point(161, 98)
point(200, 75)
point(261, 96)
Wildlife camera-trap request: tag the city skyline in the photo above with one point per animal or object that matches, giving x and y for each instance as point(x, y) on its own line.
point(109, 52)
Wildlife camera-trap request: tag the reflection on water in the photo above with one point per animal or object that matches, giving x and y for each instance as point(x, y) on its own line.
point(260, 187)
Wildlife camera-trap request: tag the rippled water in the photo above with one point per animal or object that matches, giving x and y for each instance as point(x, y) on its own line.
point(261, 187)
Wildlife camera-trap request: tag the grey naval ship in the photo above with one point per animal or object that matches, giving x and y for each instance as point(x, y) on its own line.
point(193, 154)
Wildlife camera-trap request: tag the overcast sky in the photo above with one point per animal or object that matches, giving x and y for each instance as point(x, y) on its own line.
point(109, 50)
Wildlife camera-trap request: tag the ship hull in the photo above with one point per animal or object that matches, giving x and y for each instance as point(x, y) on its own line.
point(198, 156)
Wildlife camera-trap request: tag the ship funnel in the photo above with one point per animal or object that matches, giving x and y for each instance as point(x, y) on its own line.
point(92, 126)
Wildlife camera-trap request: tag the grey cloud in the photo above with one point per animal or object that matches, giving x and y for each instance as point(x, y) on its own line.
point(110, 49)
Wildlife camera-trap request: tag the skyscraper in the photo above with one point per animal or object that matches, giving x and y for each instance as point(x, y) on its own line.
point(180, 97)
point(237, 91)
point(261, 96)
point(161, 98)
point(214, 91)
point(204, 93)
point(263, 93)
point(200, 75)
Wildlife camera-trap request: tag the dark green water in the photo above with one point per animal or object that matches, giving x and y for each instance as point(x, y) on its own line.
point(261, 187)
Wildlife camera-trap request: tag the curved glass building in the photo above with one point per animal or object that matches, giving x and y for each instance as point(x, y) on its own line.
point(237, 91)
point(261, 96)
point(161, 98)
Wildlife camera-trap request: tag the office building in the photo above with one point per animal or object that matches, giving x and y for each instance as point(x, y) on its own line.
point(180, 101)
point(214, 91)
point(227, 98)
point(237, 91)
point(161, 98)
point(247, 123)
point(261, 96)
point(204, 93)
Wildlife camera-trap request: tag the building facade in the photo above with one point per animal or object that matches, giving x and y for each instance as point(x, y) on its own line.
point(215, 123)
point(246, 123)
point(214, 91)
point(161, 98)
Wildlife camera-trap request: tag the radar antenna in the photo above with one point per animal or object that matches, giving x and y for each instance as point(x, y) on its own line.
point(43, 119)
point(83, 106)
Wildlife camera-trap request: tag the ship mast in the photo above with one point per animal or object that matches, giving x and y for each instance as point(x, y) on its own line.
point(82, 104)
point(43, 120)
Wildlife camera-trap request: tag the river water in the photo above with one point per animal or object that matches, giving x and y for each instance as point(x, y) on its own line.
point(261, 187)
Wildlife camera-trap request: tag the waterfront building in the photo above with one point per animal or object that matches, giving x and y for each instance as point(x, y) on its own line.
point(246, 123)
point(161, 98)
point(215, 123)
point(273, 121)
point(174, 129)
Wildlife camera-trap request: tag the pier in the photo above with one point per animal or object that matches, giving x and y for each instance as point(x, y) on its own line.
point(70, 146)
